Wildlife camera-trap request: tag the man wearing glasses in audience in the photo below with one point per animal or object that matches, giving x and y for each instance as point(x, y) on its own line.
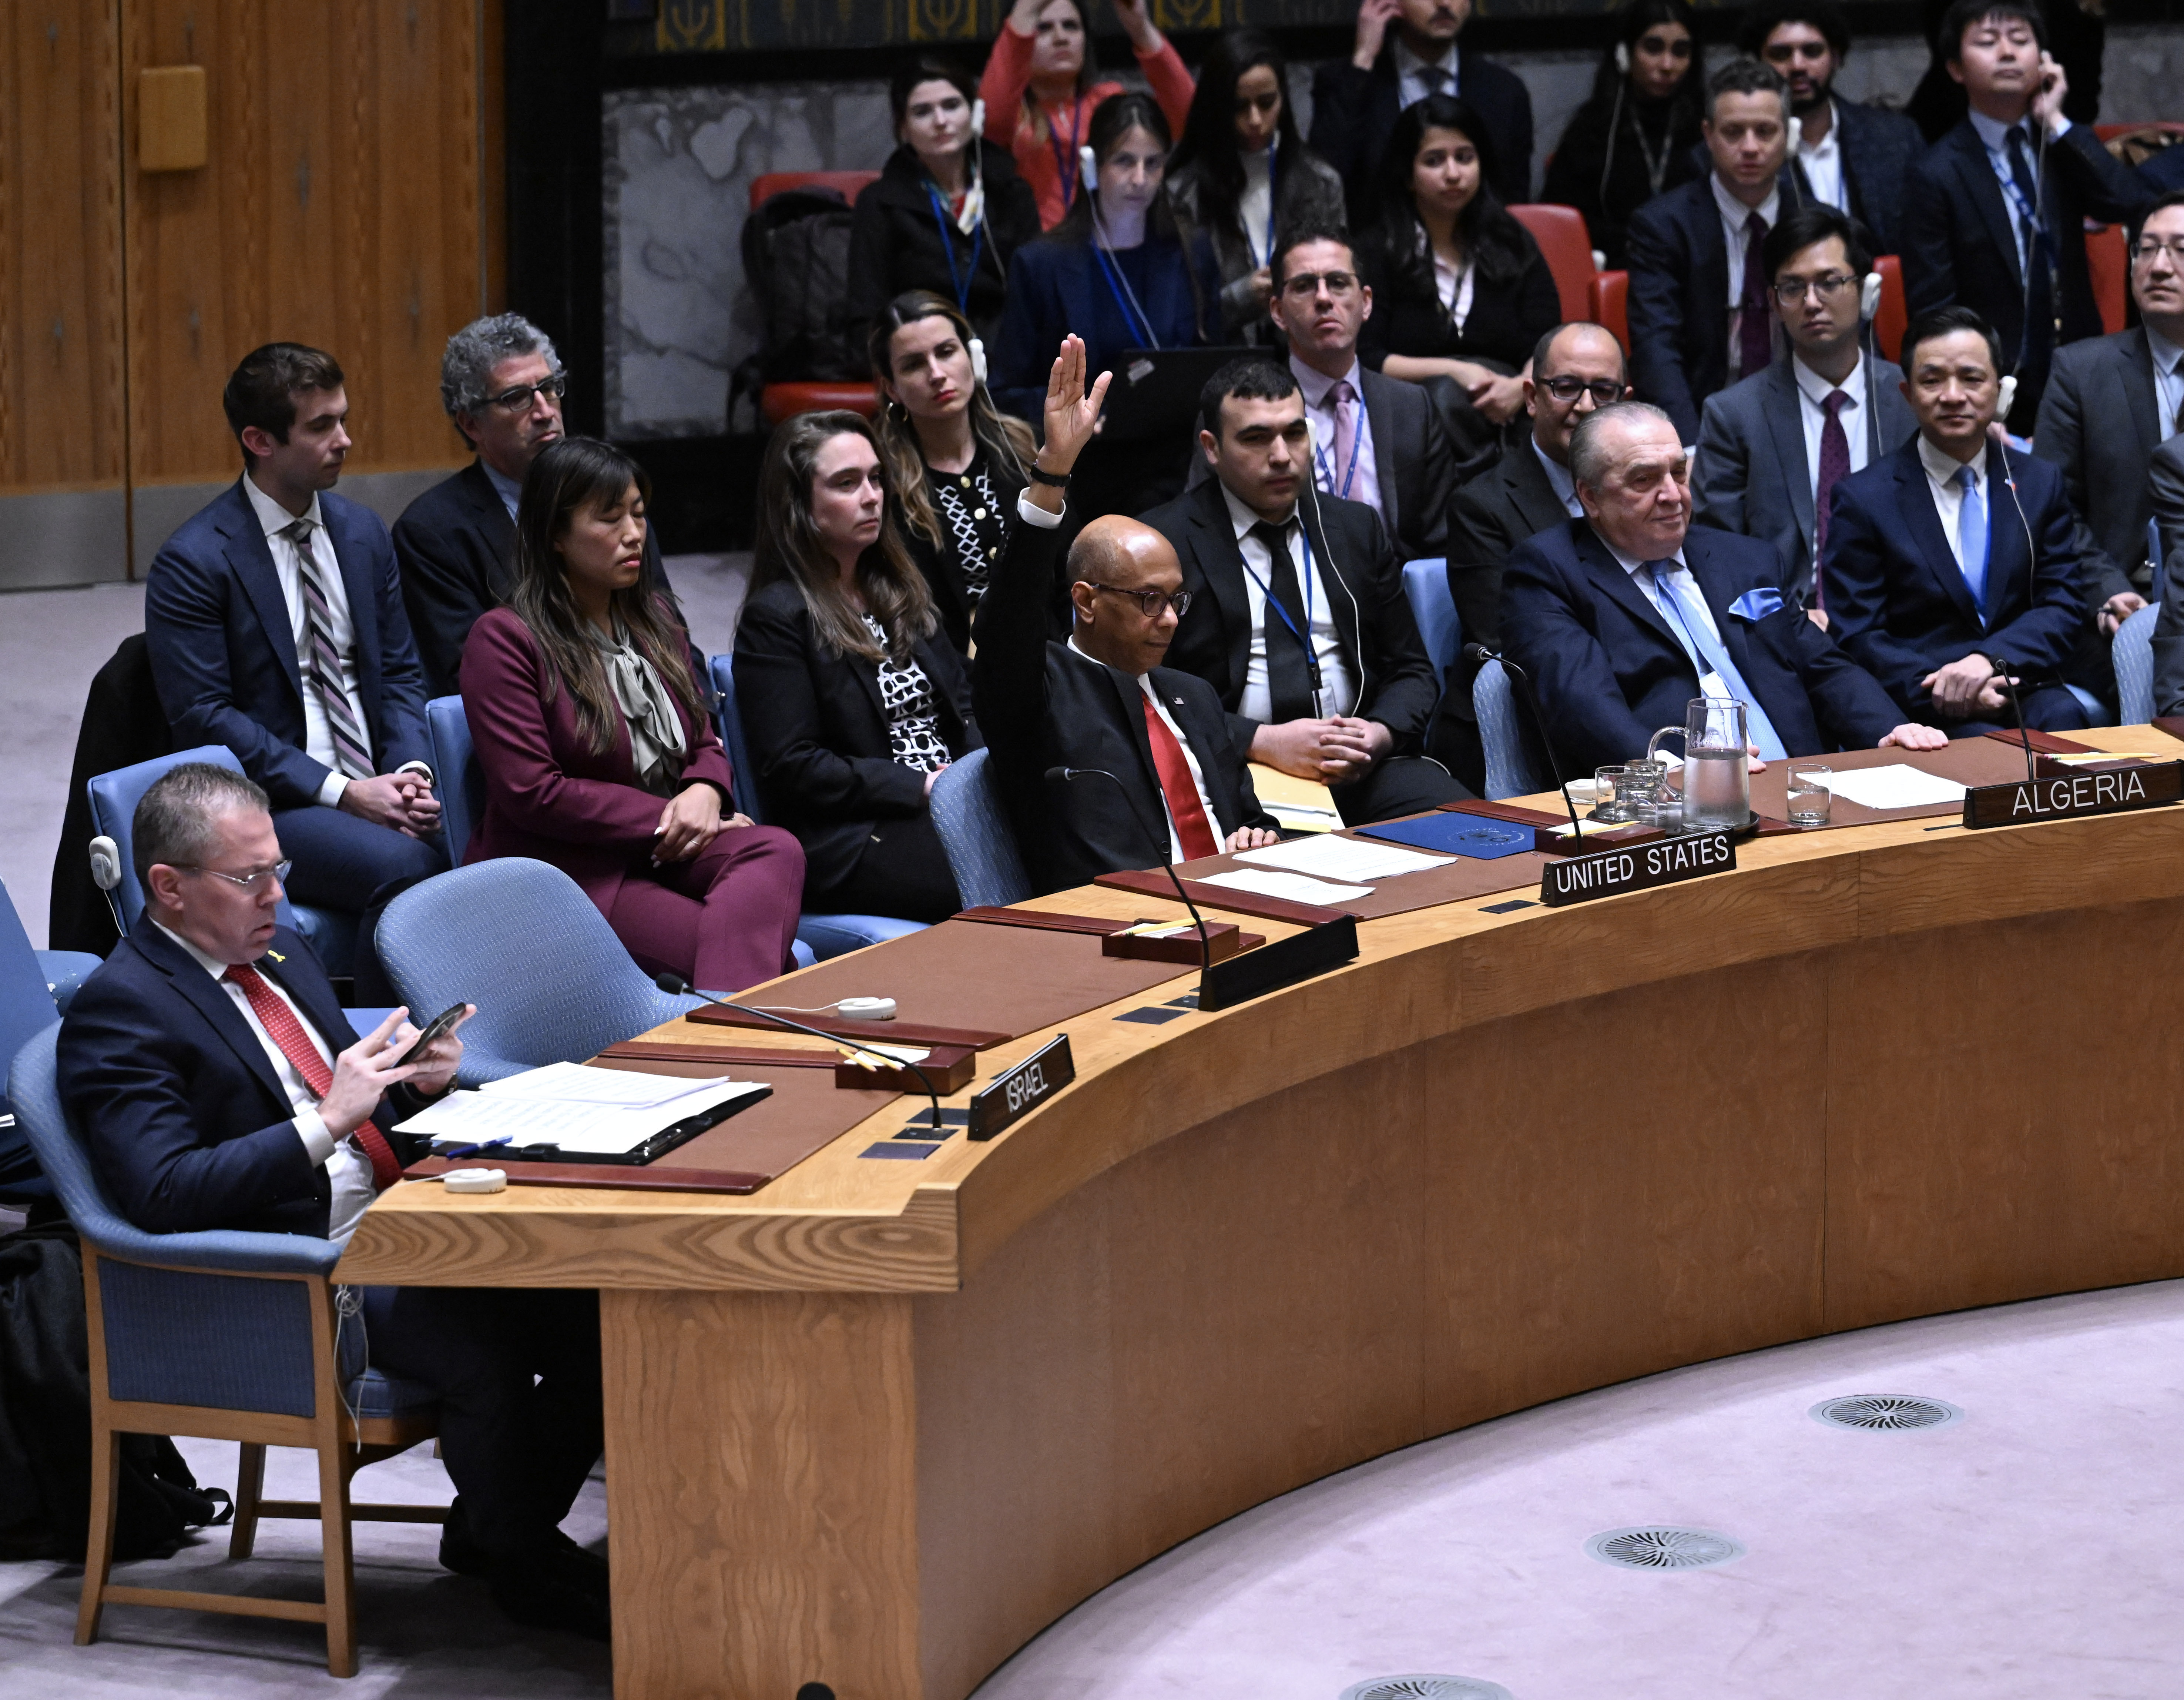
point(501, 383)
point(1772, 446)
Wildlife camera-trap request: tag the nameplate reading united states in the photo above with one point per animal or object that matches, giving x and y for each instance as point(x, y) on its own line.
point(1609, 873)
point(1024, 1088)
point(2022, 801)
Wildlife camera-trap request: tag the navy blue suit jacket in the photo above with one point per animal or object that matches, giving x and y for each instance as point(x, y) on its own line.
point(186, 1120)
point(1879, 148)
point(1610, 673)
point(1898, 601)
point(224, 655)
point(1354, 112)
point(1056, 286)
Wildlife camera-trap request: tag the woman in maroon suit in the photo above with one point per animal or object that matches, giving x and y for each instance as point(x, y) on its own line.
point(598, 752)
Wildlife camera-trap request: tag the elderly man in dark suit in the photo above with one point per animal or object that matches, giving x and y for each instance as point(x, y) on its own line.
point(1159, 772)
point(1773, 448)
point(274, 621)
point(501, 382)
point(1625, 615)
point(219, 1086)
point(1952, 565)
point(1851, 156)
point(1355, 102)
point(1298, 617)
point(1994, 214)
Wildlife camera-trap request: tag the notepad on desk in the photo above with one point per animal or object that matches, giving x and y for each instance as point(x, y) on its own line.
point(535, 1125)
point(1896, 786)
point(1357, 861)
point(1293, 888)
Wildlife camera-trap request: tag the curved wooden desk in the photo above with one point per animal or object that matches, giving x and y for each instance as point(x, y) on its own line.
point(878, 1424)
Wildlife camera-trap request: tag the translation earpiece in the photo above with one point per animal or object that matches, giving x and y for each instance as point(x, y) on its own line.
point(1088, 167)
point(105, 863)
point(977, 346)
point(977, 118)
point(2007, 399)
point(1623, 57)
point(1869, 296)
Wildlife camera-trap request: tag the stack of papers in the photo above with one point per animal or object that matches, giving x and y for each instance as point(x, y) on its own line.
point(576, 1110)
point(1896, 786)
point(1358, 860)
point(1294, 887)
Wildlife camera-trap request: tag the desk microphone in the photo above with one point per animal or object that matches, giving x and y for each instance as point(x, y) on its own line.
point(676, 986)
point(1480, 654)
point(1062, 775)
point(2009, 690)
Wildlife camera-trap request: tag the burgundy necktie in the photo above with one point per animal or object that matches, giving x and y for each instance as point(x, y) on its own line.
point(1834, 464)
point(1755, 326)
point(278, 1020)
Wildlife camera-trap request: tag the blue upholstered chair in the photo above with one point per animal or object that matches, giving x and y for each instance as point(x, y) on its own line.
point(2132, 652)
point(461, 784)
point(521, 940)
point(32, 983)
point(113, 800)
point(226, 1336)
point(1509, 769)
point(824, 935)
point(975, 832)
point(1425, 586)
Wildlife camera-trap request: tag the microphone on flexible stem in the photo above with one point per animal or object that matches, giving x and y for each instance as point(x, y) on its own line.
point(676, 986)
point(2009, 690)
point(1205, 949)
point(1480, 654)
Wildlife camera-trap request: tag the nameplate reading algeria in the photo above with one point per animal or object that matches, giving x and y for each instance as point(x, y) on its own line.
point(1024, 1088)
point(1580, 878)
point(2022, 801)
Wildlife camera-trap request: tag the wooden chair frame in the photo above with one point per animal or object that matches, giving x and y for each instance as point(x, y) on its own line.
point(344, 1446)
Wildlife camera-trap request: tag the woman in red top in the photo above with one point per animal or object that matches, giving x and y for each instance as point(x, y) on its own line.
point(1039, 91)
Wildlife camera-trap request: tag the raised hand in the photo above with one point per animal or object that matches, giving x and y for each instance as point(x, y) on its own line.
point(1070, 414)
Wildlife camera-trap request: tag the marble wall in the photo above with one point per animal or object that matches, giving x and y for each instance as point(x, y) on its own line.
point(680, 162)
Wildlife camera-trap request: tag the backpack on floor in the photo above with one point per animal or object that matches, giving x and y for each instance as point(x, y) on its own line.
point(796, 260)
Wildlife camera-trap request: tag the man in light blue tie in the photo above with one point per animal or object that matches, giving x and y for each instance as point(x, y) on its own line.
point(1625, 615)
point(1953, 565)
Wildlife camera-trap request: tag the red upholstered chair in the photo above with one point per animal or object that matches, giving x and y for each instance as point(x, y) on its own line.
point(777, 402)
point(2109, 263)
point(1893, 318)
point(1608, 302)
point(1567, 244)
point(771, 183)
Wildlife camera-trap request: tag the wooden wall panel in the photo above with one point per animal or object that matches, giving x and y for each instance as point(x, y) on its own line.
point(60, 248)
point(340, 207)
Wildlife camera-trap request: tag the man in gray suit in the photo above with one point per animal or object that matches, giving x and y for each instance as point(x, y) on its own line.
point(1772, 446)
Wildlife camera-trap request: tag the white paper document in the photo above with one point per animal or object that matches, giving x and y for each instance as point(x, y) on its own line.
point(1359, 861)
point(1896, 786)
point(572, 1083)
point(573, 1126)
point(1296, 887)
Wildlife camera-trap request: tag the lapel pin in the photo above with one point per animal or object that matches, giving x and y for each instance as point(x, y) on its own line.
point(276, 956)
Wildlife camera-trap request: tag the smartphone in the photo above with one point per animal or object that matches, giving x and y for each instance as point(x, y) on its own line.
point(436, 1029)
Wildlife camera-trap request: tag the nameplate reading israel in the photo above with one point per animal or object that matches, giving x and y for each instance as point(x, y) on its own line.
point(1024, 1088)
point(2022, 801)
point(1609, 873)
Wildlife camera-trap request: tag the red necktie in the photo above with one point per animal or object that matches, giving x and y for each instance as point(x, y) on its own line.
point(1191, 827)
point(1834, 465)
point(275, 1016)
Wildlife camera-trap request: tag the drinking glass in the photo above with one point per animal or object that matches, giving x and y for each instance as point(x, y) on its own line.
point(1640, 793)
point(1609, 805)
point(1810, 797)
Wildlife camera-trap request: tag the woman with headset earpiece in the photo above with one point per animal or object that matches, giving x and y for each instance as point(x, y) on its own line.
point(1634, 134)
point(948, 210)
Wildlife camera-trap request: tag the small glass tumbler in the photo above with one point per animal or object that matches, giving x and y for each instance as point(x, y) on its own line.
point(1810, 798)
point(1639, 791)
point(1608, 803)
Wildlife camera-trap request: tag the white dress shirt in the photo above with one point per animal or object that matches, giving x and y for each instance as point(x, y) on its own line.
point(1822, 163)
point(1456, 288)
point(1560, 480)
point(1412, 82)
point(1255, 207)
point(1994, 136)
point(1943, 471)
point(348, 1170)
point(1364, 484)
point(1336, 693)
point(1813, 391)
point(2168, 381)
point(287, 566)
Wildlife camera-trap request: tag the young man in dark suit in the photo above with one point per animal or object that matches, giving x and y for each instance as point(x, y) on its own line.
point(1159, 776)
point(1699, 317)
point(275, 624)
point(1298, 618)
point(1624, 616)
point(1954, 562)
point(1851, 156)
point(218, 1085)
point(1772, 446)
point(1355, 102)
point(1994, 213)
point(501, 382)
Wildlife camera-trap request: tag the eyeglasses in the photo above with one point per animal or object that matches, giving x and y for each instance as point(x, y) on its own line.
point(1567, 390)
point(1302, 286)
point(252, 883)
point(1153, 603)
point(1792, 290)
point(518, 400)
point(2148, 246)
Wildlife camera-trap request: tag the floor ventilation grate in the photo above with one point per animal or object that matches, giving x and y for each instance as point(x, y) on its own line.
point(1885, 1413)
point(1659, 1548)
point(1426, 1687)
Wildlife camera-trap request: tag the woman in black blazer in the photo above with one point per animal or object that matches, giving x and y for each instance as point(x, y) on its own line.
point(954, 464)
point(852, 702)
point(1460, 289)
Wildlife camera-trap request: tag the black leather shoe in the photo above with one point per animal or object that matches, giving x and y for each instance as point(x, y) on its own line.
point(559, 1587)
point(460, 1551)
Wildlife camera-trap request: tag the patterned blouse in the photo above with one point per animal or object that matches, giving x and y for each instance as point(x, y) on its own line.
point(976, 527)
point(912, 714)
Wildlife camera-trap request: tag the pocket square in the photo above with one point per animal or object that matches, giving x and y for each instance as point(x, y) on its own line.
point(1758, 604)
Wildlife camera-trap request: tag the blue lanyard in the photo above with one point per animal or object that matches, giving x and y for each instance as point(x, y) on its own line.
point(1274, 602)
point(1357, 444)
point(1110, 270)
point(1066, 167)
point(962, 285)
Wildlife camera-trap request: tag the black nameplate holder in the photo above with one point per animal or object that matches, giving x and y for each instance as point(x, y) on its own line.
point(1610, 873)
point(1024, 1088)
point(2109, 791)
point(1300, 957)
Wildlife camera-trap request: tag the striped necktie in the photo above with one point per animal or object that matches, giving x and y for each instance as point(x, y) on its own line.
point(322, 661)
